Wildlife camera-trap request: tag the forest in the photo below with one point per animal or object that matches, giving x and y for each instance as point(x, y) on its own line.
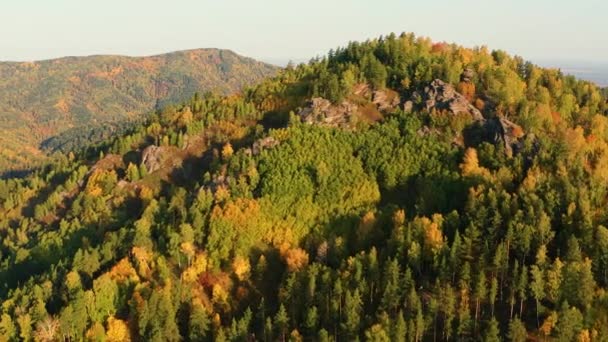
point(240, 218)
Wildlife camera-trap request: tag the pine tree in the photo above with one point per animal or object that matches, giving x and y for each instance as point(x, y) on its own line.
point(352, 314)
point(399, 329)
point(492, 333)
point(537, 287)
point(517, 331)
point(198, 323)
point(281, 322)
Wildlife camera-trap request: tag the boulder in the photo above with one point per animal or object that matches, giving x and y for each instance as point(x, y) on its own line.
point(467, 75)
point(151, 157)
point(361, 89)
point(321, 111)
point(386, 99)
point(439, 95)
point(502, 131)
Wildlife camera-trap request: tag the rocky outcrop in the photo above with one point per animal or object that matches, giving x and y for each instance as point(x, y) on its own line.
point(386, 99)
point(442, 96)
point(439, 95)
point(151, 157)
point(321, 111)
point(108, 162)
point(502, 131)
point(263, 144)
point(467, 75)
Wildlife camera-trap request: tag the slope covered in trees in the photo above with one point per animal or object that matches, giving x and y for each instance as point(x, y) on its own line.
point(61, 97)
point(229, 218)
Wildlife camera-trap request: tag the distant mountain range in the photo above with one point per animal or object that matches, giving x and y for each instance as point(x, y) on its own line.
point(41, 100)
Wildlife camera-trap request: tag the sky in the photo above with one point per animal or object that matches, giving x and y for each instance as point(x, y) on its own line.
point(276, 31)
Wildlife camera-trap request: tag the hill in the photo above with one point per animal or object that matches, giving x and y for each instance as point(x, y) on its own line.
point(397, 189)
point(43, 100)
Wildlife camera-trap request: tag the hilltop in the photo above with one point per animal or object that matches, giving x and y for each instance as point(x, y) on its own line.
point(398, 189)
point(63, 103)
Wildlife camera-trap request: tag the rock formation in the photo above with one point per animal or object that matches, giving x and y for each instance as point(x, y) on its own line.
point(151, 157)
point(442, 96)
point(321, 111)
point(502, 131)
point(439, 95)
point(263, 144)
point(386, 99)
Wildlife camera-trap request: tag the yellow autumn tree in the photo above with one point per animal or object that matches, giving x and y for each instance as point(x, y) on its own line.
point(221, 193)
point(196, 268)
point(399, 218)
point(241, 267)
point(185, 117)
point(143, 258)
point(96, 332)
point(124, 271)
point(47, 330)
point(548, 324)
point(470, 165)
point(219, 294)
point(118, 331)
point(295, 258)
point(433, 237)
point(227, 151)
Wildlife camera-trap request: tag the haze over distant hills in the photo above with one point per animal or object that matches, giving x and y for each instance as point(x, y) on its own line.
point(596, 72)
point(41, 100)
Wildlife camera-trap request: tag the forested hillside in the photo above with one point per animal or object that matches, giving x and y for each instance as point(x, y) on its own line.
point(61, 104)
point(395, 190)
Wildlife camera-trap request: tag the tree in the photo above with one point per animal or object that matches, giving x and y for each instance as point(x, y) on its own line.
point(281, 321)
point(480, 293)
point(448, 304)
point(492, 333)
point(198, 322)
point(375, 72)
point(352, 313)
point(105, 298)
point(537, 287)
point(493, 293)
point(132, 173)
point(118, 331)
point(517, 331)
point(25, 326)
point(7, 327)
point(311, 320)
point(227, 151)
point(376, 333)
point(392, 292)
point(47, 330)
point(399, 329)
point(569, 324)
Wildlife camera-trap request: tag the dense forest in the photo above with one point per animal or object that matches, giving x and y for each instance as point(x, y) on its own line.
point(45, 105)
point(395, 190)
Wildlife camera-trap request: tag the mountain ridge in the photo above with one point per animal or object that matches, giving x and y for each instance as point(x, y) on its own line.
point(41, 99)
point(451, 193)
point(94, 55)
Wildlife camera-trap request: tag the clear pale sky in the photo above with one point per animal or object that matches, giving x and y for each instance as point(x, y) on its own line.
point(280, 30)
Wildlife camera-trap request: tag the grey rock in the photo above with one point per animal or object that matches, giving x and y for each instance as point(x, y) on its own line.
point(151, 157)
point(385, 99)
point(321, 111)
point(442, 96)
